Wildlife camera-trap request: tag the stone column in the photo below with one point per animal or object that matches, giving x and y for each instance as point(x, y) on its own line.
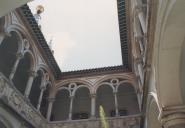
point(140, 14)
point(50, 106)
point(71, 107)
point(43, 88)
point(116, 103)
point(19, 57)
point(29, 83)
point(93, 106)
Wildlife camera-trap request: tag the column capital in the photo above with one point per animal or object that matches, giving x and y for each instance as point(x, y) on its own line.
point(93, 95)
point(115, 92)
point(50, 100)
point(138, 8)
point(19, 55)
point(138, 38)
point(138, 59)
point(72, 97)
point(147, 68)
point(33, 73)
point(43, 87)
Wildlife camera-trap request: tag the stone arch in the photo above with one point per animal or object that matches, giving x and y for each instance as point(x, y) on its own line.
point(23, 72)
point(82, 103)
point(81, 86)
point(127, 99)
point(127, 76)
point(64, 82)
point(168, 47)
point(9, 49)
point(60, 110)
point(105, 98)
point(101, 84)
point(33, 59)
point(131, 83)
point(81, 82)
point(36, 87)
point(43, 67)
point(45, 100)
point(20, 30)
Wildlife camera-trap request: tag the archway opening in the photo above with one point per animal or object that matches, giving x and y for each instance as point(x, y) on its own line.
point(105, 98)
point(82, 104)
point(22, 73)
point(60, 110)
point(127, 100)
point(35, 90)
point(8, 51)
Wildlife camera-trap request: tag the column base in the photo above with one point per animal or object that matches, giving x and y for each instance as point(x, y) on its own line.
point(173, 117)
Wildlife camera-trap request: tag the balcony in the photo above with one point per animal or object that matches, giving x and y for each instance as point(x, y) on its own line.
point(132, 121)
point(17, 102)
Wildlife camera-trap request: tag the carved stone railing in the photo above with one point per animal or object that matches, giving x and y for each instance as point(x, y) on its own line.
point(15, 100)
point(114, 122)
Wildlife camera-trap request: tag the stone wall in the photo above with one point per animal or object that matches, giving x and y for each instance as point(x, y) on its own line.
point(116, 122)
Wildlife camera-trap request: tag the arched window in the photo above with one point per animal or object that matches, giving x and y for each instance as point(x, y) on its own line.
point(22, 73)
point(82, 104)
point(61, 105)
point(35, 90)
point(105, 97)
point(127, 100)
point(45, 102)
point(8, 51)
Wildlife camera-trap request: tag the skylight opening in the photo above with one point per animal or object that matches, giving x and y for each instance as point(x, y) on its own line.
point(84, 33)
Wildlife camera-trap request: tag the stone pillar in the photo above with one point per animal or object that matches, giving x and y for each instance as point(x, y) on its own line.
point(19, 57)
point(50, 106)
point(140, 14)
point(93, 106)
point(43, 88)
point(71, 107)
point(116, 103)
point(142, 21)
point(29, 83)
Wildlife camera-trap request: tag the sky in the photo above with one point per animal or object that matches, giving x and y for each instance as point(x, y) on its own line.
point(84, 33)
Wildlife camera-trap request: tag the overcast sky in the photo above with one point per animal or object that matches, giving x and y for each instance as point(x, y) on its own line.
point(85, 32)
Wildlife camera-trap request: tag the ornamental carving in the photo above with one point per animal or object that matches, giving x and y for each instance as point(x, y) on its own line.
point(114, 122)
point(18, 103)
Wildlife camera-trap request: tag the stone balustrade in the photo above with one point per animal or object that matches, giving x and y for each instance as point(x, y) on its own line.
point(20, 104)
point(132, 121)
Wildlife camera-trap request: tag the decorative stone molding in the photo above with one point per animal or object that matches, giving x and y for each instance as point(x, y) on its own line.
point(10, 96)
point(19, 55)
point(33, 73)
point(138, 60)
point(173, 117)
point(147, 68)
point(115, 122)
